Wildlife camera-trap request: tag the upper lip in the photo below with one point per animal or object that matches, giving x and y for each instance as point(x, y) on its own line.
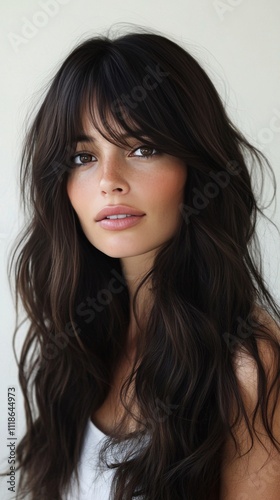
point(116, 210)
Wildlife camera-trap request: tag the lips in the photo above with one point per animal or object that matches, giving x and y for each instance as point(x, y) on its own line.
point(117, 210)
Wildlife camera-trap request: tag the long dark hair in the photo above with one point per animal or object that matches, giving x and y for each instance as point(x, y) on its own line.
point(207, 281)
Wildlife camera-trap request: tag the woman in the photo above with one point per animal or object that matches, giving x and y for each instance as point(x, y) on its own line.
point(150, 321)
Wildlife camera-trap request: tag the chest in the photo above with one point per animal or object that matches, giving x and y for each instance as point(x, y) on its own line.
point(108, 415)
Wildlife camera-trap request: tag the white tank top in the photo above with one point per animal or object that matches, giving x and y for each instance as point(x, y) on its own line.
point(95, 477)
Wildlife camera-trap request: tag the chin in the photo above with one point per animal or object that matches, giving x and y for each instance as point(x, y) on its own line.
point(118, 255)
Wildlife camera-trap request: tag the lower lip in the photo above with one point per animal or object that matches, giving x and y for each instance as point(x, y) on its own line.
point(119, 224)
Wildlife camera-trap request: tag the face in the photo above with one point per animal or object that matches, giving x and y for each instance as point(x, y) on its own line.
point(104, 175)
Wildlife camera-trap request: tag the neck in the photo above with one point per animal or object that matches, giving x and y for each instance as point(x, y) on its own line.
point(134, 270)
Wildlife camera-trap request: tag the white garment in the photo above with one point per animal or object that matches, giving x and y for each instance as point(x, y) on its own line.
point(95, 477)
point(94, 484)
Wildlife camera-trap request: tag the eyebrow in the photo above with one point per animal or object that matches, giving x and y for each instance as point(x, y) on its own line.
point(84, 138)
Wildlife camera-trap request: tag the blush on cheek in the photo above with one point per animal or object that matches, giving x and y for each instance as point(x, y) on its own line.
point(74, 195)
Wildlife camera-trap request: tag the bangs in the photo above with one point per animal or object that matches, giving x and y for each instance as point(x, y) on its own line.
point(114, 99)
point(124, 93)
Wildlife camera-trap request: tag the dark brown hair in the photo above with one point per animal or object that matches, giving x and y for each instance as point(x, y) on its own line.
point(206, 281)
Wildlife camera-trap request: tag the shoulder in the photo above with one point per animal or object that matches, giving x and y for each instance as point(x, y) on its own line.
point(245, 366)
point(255, 473)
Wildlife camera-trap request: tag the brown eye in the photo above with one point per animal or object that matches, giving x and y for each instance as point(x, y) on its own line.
point(146, 151)
point(82, 159)
point(85, 158)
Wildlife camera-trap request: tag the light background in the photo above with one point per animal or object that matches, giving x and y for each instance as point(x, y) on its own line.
point(236, 41)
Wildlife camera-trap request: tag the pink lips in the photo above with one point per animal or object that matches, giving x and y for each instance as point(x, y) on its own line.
point(117, 210)
point(119, 224)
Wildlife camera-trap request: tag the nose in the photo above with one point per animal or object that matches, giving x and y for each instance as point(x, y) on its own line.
point(113, 176)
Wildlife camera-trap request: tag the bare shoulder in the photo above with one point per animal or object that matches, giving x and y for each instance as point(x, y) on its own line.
point(262, 315)
point(245, 366)
point(256, 474)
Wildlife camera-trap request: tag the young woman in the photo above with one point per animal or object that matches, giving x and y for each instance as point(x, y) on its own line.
point(152, 333)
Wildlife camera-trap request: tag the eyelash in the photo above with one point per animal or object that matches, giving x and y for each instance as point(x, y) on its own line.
point(146, 157)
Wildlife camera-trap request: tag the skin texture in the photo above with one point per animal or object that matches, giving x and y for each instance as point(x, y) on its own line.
point(116, 175)
point(256, 475)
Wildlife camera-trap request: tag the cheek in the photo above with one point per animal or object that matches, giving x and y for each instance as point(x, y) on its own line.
point(171, 187)
point(70, 188)
point(78, 202)
point(75, 195)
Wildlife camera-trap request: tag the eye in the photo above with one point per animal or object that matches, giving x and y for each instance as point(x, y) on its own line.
point(146, 151)
point(82, 159)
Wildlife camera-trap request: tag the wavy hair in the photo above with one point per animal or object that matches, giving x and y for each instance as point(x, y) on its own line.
point(207, 281)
